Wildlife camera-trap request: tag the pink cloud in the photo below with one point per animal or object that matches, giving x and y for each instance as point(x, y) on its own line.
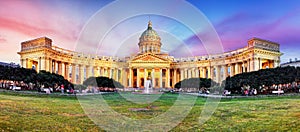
point(2, 40)
point(22, 27)
point(34, 20)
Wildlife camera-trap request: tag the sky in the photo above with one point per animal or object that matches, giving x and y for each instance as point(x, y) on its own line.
point(99, 27)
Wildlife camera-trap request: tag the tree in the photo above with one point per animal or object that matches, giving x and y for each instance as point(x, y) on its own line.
point(102, 82)
point(267, 77)
point(195, 83)
point(18, 74)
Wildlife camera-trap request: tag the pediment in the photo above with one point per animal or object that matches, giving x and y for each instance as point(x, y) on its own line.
point(149, 58)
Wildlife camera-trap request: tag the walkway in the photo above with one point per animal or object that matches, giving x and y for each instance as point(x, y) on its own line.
point(230, 97)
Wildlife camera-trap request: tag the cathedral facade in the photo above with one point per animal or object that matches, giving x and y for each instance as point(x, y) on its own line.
point(149, 63)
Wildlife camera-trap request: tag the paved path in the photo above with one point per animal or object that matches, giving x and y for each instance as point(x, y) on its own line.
point(194, 94)
point(55, 93)
point(229, 97)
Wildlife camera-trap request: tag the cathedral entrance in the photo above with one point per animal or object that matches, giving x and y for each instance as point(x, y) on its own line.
point(142, 82)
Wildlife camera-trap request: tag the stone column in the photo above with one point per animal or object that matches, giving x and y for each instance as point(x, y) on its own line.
point(204, 72)
point(145, 77)
point(260, 64)
point(225, 72)
point(251, 67)
point(160, 78)
point(209, 72)
point(197, 72)
point(54, 66)
point(236, 69)
point(218, 73)
point(276, 63)
point(114, 73)
point(102, 71)
point(38, 67)
point(50, 65)
point(138, 77)
point(60, 68)
point(189, 73)
point(244, 66)
point(168, 78)
point(213, 73)
point(117, 75)
point(111, 73)
point(201, 71)
point(153, 79)
point(248, 65)
point(186, 73)
point(105, 72)
point(231, 70)
point(181, 74)
point(22, 62)
point(89, 71)
point(73, 73)
point(256, 64)
point(96, 71)
point(26, 63)
point(67, 70)
point(174, 77)
point(63, 68)
point(124, 77)
point(43, 63)
point(81, 74)
point(200, 74)
point(130, 77)
point(46, 64)
point(193, 73)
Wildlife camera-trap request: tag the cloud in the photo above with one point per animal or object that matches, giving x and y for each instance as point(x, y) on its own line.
point(2, 39)
point(36, 19)
point(235, 30)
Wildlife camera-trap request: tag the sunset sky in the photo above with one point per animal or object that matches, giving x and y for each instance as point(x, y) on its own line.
point(235, 21)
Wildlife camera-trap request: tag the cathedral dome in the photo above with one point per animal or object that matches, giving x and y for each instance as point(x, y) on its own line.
point(149, 40)
point(149, 34)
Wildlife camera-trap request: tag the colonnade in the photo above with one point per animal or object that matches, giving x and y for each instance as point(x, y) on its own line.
point(219, 72)
point(161, 77)
point(76, 73)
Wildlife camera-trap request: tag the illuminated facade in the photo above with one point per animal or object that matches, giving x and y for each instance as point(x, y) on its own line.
point(149, 63)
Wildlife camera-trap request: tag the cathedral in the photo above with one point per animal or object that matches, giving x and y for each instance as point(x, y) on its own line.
point(149, 63)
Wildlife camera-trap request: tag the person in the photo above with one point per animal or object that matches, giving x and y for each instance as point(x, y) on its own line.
point(246, 92)
point(255, 92)
point(70, 89)
point(224, 92)
point(62, 88)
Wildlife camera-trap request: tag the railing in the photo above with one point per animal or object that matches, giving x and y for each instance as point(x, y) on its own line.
point(80, 54)
point(208, 57)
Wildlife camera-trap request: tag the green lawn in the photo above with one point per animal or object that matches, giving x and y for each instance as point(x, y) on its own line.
point(61, 113)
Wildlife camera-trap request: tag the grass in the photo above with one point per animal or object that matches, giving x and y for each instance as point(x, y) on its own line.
point(23, 112)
